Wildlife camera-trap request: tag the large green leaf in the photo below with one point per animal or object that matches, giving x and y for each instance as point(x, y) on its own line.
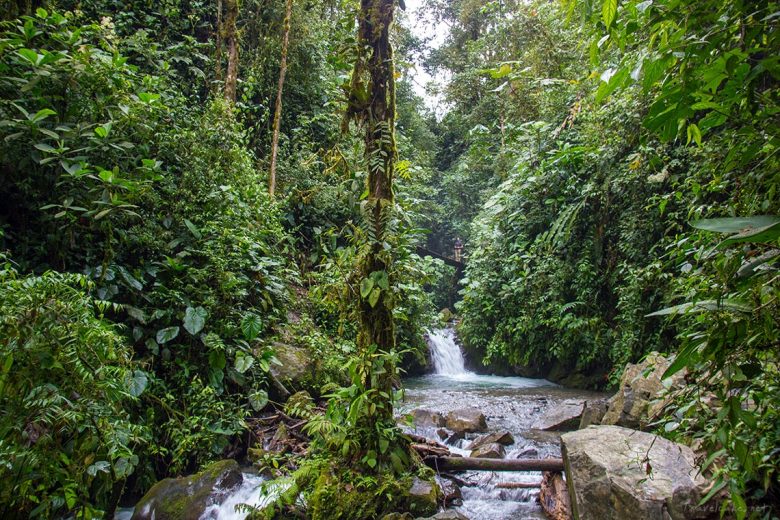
point(365, 287)
point(704, 306)
point(757, 229)
point(752, 265)
point(251, 325)
point(243, 362)
point(258, 400)
point(608, 12)
point(608, 87)
point(735, 224)
point(167, 334)
point(136, 383)
point(761, 235)
point(195, 319)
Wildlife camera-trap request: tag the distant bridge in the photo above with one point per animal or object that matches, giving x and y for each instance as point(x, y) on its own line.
point(449, 260)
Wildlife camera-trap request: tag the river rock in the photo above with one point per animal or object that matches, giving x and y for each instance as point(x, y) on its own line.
point(424, 497)
point(528, 452)
point(468, 420)
point(451, 492)
point(427, 419)
point(593, 412)
point(454, 437)
point(186, 498)
point(641, 393)
point(618, 473)
point(564, 416)
point(504, 438)
point(449, 514)
point(492, 450)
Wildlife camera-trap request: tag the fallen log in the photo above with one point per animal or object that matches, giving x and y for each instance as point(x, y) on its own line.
point(470, 463)
point(519, 485)
point(554, 496)
point(430, 450)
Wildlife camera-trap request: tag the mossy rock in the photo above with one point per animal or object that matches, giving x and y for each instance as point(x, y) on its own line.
point(297, 368)
point(186, 498)
point(356, 497)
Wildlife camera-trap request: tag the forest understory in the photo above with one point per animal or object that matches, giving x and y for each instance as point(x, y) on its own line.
point(224, 219)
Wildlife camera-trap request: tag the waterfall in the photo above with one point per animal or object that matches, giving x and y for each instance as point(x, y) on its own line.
point(445, 352)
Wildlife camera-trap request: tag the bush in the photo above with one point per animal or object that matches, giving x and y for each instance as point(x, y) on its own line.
point(67, 442)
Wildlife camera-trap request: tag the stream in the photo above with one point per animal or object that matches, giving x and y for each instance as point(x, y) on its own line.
point(508, 403)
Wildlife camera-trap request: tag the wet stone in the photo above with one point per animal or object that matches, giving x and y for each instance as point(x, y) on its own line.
point(492, 450)
point(528, 452)
point(503, 437)
point(427, 418)
point(451, 492)
point(468, 420)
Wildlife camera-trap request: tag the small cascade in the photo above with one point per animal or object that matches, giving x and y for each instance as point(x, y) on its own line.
point(248, 493)
point(445, 353)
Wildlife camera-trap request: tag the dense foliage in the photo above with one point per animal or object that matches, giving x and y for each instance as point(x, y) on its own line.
point(135, 207)
point(611, 165)
point(606, 135)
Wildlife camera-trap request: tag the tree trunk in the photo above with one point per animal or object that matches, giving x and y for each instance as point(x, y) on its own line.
point(469, 463)
point(231, 37)
point(218, 53)
point(372, 106)
point(278, 108)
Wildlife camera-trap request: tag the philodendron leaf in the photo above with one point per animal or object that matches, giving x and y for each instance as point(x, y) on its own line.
point(167, 334)
point(136, 384)
point(258, 400)
point(373, 297)
point(251, 325)
point(195, 319)
point(243, 362)
point(365, 287)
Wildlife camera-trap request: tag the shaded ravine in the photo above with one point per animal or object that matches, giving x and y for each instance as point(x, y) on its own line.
point(509, 403)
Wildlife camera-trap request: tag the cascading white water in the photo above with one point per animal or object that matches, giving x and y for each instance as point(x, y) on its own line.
point(445, 353)
point(248, 493)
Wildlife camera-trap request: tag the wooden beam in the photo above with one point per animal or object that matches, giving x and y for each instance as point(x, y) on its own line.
point(470, 463)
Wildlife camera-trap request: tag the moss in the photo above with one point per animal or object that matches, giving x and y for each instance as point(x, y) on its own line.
point(353, 496)
point(185, 498)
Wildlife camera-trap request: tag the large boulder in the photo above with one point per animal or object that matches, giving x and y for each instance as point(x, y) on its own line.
point(641, 394)
point(296, 369)
point(424, 497)
point(466, 420)
point(503, 437)
point(423, 418)
point(186, 498)
point(564, 416)
point(622, 474)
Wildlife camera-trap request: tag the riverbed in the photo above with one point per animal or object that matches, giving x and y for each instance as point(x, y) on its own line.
point(513, 404)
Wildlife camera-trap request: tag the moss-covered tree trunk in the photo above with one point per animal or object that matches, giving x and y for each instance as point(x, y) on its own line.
point(373, 106)
point(218, 52)
point(231, 39)
point(278, 107)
